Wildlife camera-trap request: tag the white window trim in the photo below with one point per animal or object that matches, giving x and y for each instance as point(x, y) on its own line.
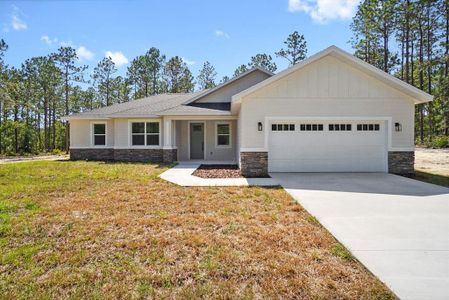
point(92, 140)
point(230, 135)
point(130, 134)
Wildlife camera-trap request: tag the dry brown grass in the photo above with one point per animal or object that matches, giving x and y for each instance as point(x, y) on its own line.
point(116, 231)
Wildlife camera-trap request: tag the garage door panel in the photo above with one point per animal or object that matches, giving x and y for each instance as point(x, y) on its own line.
point(328, 151)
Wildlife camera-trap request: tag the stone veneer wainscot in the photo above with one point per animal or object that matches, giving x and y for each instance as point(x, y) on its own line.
point(401, 162)
point(254, 164)
point(128, 155)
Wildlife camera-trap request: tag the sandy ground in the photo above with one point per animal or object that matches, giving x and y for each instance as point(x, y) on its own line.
point(432, 160)
point(31, 158)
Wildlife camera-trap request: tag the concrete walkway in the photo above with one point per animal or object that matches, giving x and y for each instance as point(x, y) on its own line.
point(397, 227)
point(181, 175)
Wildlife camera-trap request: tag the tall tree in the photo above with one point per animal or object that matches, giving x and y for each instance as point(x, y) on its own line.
point(240, 70)
point(263, 61)
point(296, 48)
point(66, 59)
point(206, 77)
point(4, 96)
point(178, 76)
point(103, 77)
point(145, 73)
point(224, 79)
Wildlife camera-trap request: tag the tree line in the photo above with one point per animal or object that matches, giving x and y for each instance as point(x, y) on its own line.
point(410, 39)
point(34, 96)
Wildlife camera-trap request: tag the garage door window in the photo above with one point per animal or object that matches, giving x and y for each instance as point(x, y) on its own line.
point(283, 127)
point(368, 127)
point(340, 127)
point(311, 127)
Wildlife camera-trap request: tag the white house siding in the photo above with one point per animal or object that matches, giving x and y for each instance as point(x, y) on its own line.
point(225, 93)
point(327, 88)
point(81, 133)
point(212, 152)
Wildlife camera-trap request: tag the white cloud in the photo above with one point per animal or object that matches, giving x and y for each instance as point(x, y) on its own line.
point(84, 54)
point(221, 33)
point(117, 57)
point(18, 24)
point(68, 43)
point(323, 11)
point(49, 41)
point(188, 62)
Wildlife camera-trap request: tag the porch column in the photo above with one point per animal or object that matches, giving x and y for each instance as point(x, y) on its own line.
point(169, 151)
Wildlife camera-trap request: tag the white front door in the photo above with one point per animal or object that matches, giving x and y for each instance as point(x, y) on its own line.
point(327, 146)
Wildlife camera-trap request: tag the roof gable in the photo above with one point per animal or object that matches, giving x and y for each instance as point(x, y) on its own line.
point(224, 92)
point(417, 95)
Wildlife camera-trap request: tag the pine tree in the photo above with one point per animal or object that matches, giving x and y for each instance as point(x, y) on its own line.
point(296, 48)
point(206, 78)
point(103, 77)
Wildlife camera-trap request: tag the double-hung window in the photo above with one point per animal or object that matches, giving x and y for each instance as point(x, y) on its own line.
point(99, 131)
point(145, 133)
point(223, 135)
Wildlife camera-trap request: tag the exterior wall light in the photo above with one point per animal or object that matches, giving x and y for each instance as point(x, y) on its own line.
point(398, 127)
point(259, 126)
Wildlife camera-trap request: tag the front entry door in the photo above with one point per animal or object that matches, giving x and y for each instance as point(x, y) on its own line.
point(196, 141)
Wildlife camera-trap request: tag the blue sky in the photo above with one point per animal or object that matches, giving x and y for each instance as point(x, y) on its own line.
point(226, 33)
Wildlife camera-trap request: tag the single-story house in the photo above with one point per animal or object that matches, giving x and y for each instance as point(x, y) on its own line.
point(329, 113)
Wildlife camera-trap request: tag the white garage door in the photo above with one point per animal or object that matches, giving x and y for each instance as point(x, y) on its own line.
point(330, 146)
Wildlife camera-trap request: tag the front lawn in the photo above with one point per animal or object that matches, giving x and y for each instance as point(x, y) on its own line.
point(112, 230)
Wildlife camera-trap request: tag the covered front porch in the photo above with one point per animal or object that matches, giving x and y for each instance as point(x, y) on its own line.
point(201, 139)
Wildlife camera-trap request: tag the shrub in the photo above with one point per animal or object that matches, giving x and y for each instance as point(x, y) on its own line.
point(441, 141)
point(57, 152)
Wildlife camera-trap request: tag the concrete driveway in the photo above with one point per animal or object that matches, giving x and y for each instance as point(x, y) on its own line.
point(397, 227)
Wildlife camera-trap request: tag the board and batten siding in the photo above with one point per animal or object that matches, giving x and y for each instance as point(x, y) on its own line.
point(326, 88)
point(225, 93)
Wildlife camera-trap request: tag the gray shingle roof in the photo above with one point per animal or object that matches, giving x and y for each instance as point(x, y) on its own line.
point(164, 104)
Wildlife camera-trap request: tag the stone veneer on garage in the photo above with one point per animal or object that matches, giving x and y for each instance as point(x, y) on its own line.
point(128, 155)
point(254, 164)
point(401, 162)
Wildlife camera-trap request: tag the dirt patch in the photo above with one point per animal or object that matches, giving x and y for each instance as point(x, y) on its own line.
point(218, 171)
point(435, 161)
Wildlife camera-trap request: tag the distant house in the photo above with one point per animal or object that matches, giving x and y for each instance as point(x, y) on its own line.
point(329, 113)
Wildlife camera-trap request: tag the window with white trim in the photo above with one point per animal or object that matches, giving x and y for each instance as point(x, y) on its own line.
point(223, 134)
point(99, 131)
point(145, 133)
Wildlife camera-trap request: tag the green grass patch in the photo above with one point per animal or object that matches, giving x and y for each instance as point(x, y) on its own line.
point(432, 178)
point(340, 251)
point(313, 220)
point(21, 255)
